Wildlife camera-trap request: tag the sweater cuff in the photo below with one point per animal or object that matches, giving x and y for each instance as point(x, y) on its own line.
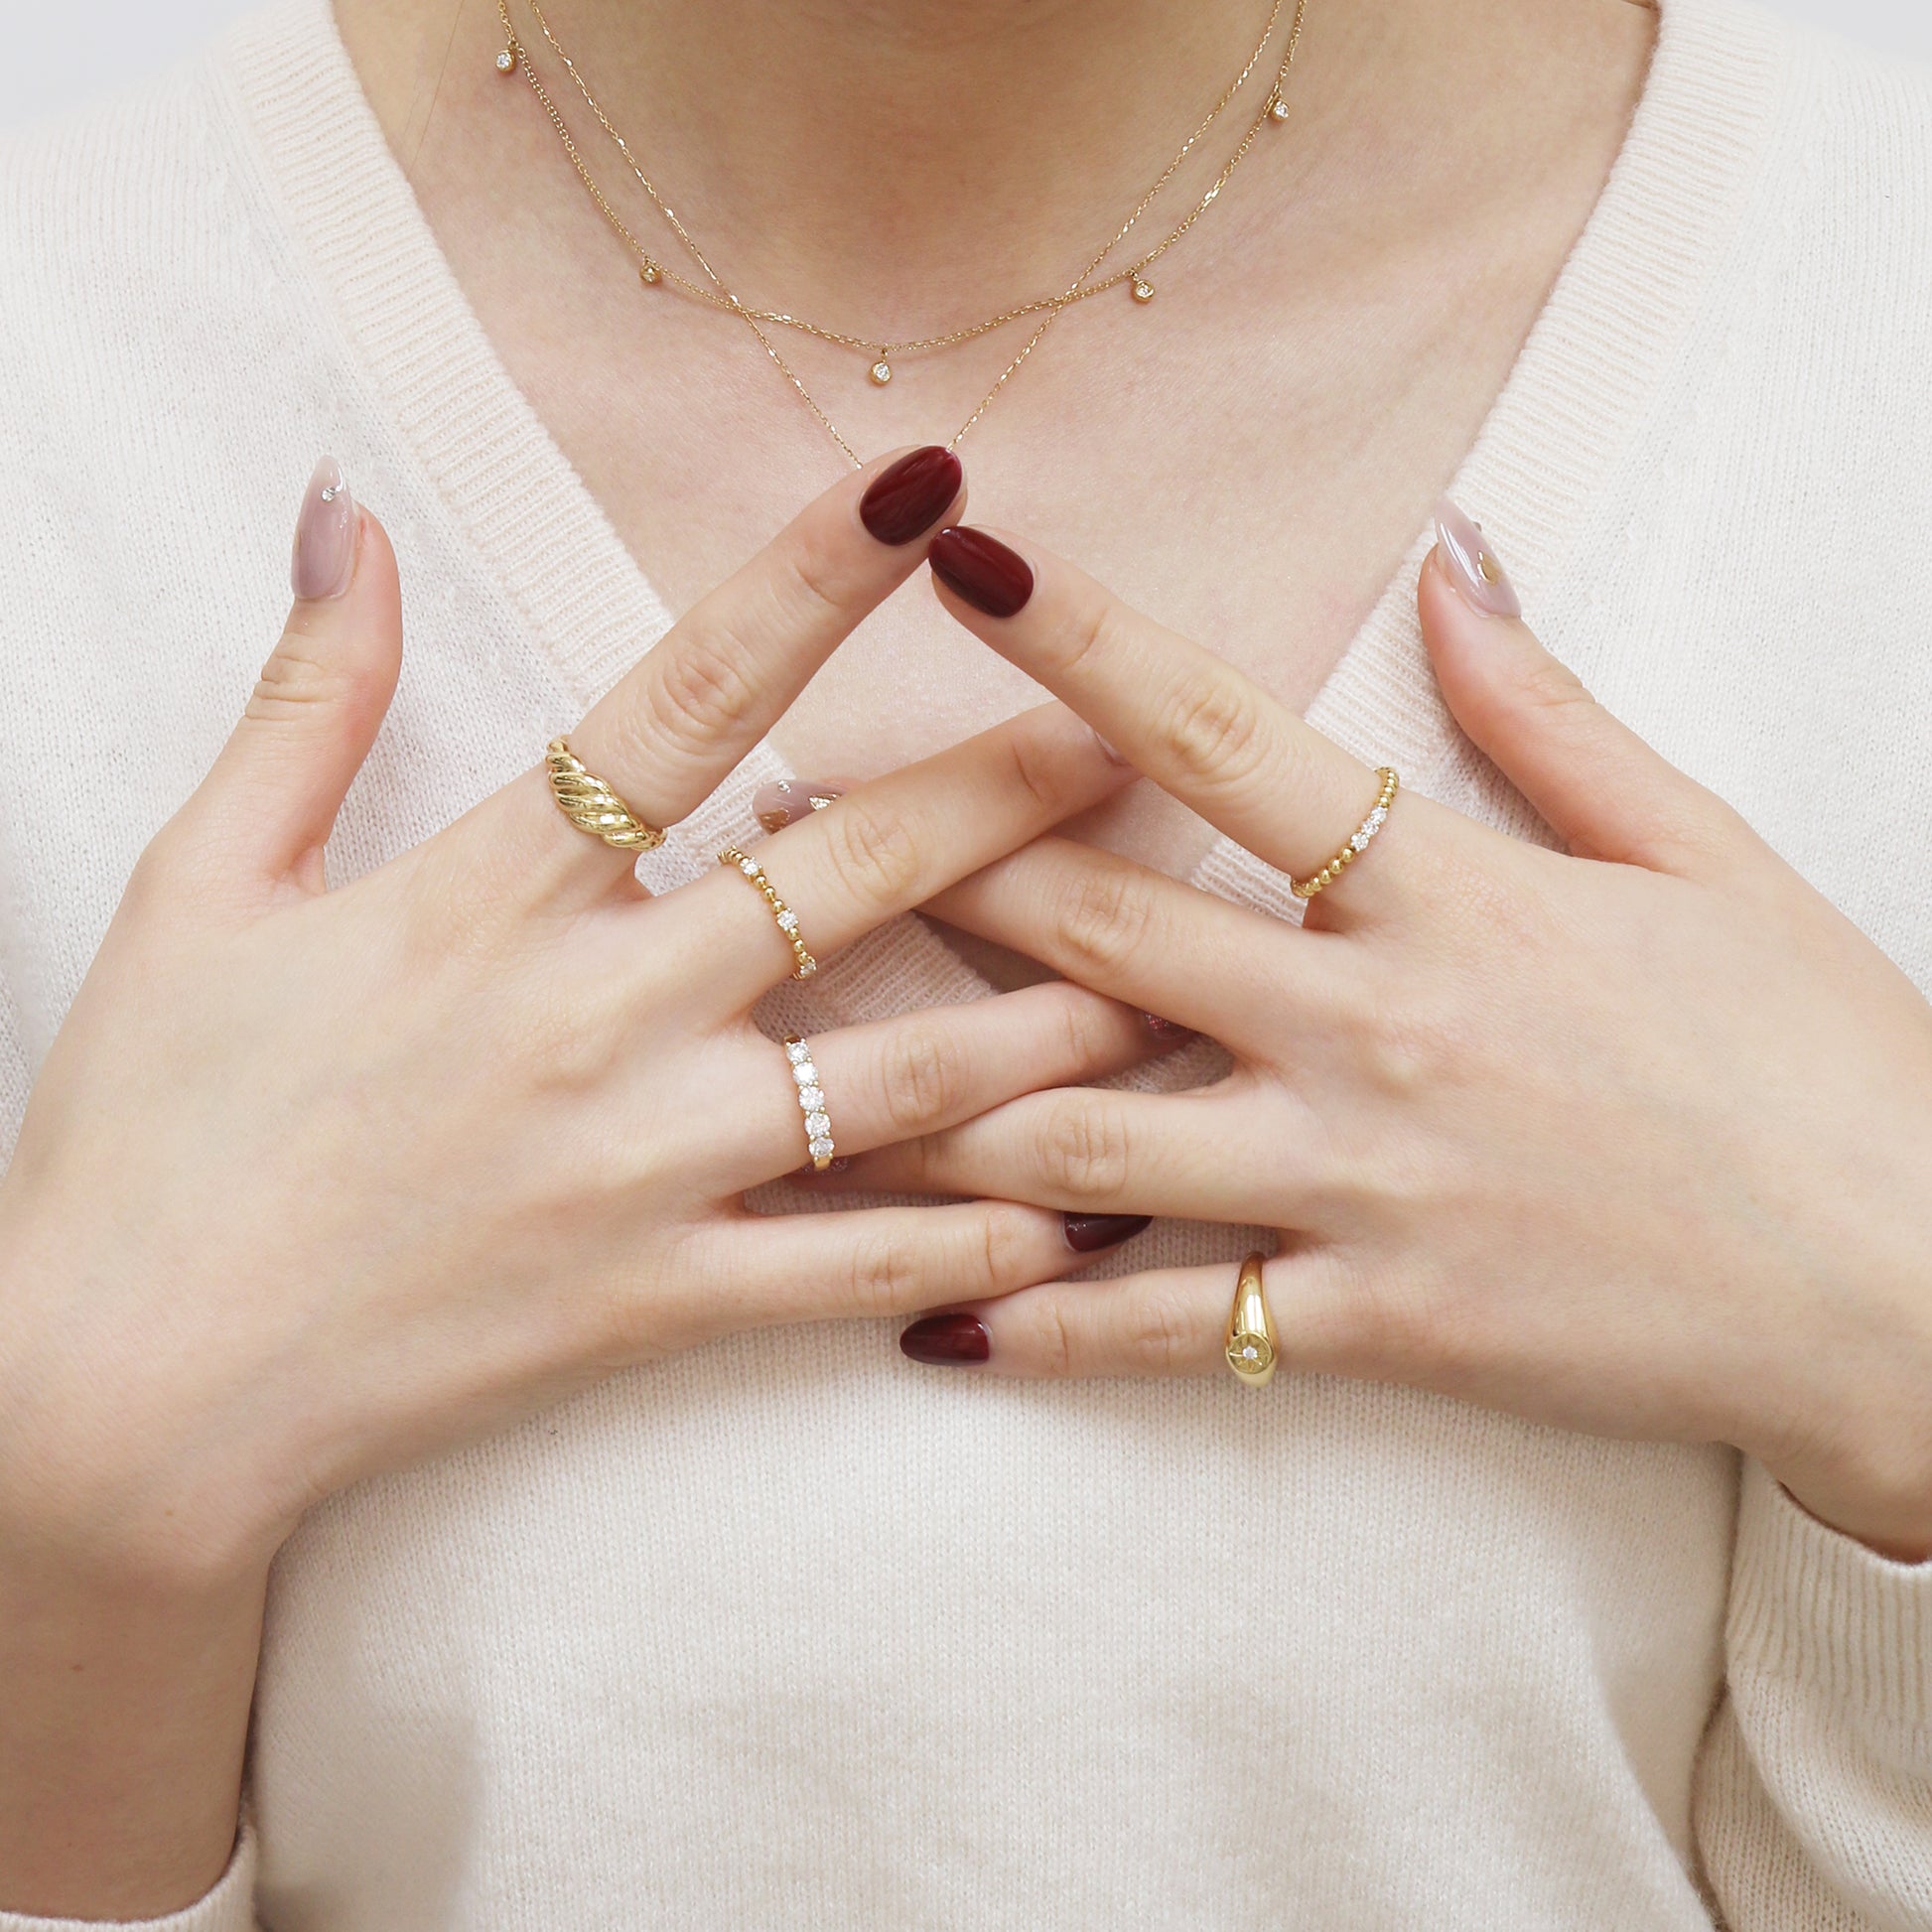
point(1818, 1608)
point(228, 1908)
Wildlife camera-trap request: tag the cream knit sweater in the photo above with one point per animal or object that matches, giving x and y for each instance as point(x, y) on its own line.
point(789, 1632)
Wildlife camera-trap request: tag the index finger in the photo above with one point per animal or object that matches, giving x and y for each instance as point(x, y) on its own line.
point(677, 723)
point(1182, 716)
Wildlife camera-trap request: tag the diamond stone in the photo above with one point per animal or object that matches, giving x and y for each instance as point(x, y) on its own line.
point(804, 1072)
point(818, 1123)
point(1360, 839)
point(789, 921)
point(812, 1099)
point(749, 867)
point(506, 61)
point(797, 1053)
point(819, 1145)
point(807, 966)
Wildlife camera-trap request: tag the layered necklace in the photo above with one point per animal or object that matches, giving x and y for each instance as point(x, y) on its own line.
point(653, 273)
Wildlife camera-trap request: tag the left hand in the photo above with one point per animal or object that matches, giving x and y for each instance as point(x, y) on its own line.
point(1635, 1140)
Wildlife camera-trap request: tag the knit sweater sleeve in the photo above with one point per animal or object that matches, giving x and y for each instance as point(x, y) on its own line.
point(228, 1908)
point(1813, 1801)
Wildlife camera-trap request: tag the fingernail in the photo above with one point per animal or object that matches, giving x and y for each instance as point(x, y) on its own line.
point(981, 569)
point(323, 557)
point(946, 1339)
point(1472, 565)
point(1088, 1233)
point(783, 800)
point(1167, 1031)
point(912, 496)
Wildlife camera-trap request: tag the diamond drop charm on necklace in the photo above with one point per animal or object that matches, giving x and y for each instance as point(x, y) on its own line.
point(506, 60)
point(880, 372)
point(1277, 109)
point(1143, 291)
point(648, 273)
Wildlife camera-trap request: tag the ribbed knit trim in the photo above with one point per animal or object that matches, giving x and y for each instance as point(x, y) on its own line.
point(1616, 316)
point(1812, 1605)
point(493, 460)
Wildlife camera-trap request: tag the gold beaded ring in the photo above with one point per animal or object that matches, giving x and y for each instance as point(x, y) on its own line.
point(1357, 842)
point(804, 965)
point(592, 806)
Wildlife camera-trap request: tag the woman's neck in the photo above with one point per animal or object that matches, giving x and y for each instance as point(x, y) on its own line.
point(908, 159)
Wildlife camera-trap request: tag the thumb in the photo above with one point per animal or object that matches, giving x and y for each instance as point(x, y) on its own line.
point(272, 795)
point(1596, 785)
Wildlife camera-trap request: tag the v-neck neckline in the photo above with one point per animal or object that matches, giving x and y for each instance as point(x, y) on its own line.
point(1615, 316)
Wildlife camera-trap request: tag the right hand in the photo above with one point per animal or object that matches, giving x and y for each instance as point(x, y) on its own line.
point(314, 1184)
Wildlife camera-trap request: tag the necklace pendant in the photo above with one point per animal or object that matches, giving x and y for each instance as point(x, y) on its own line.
point(880, 372)
point(1141, 289)
point(506, 60)
point(1277, 109)
point(649, 273)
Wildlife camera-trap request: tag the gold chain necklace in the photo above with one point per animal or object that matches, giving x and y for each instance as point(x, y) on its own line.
point(651, 272)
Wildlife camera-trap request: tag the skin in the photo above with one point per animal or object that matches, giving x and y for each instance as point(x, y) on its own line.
point(1366, 292)
point(1477, 1046)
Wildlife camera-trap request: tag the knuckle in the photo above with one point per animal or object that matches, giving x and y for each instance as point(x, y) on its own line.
point(1162, 1333)
point(886, 1275)
point(1108, 915)
point(1549, 686)
point(922, 1080)
point(1090, 632)
point(875, 858)
point(810, 587)
point(1083, 1147)
point(1007, 1249)
point(1038, 770)
point(1052, 1340)
point(703, 686)
point(1214, 732)
point(294, 683)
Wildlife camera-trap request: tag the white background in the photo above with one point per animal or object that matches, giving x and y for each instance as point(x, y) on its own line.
point(54, 51)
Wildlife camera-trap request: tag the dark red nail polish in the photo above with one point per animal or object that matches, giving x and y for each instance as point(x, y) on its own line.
point(1087, 1233)
point(946, 1339)
point(982, 570)
point(910, 497)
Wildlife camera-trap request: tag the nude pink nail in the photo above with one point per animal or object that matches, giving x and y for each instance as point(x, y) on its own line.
point(324, 558)
point(784, 800)
point(1471, 564)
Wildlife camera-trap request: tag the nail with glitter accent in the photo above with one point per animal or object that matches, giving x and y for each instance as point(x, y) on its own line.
point(1087, 1234)
point(1471, 564)
point(785, 800)
point(946, 1340)
point(981, 569)
point(323, 557)
point(909, 498)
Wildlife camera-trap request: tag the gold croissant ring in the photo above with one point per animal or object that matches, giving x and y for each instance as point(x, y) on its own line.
point(592, 806)
point(1359, 839)
point(1252, 1348)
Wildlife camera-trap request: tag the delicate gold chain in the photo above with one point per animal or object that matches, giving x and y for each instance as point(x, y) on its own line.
point(651, 271)
point(719, 298)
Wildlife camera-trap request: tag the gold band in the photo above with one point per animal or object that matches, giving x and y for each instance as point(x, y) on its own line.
point(811, 1101)
point(592, 806)
point(1251, 1344)
point(804, 965)
point(1357, 840)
